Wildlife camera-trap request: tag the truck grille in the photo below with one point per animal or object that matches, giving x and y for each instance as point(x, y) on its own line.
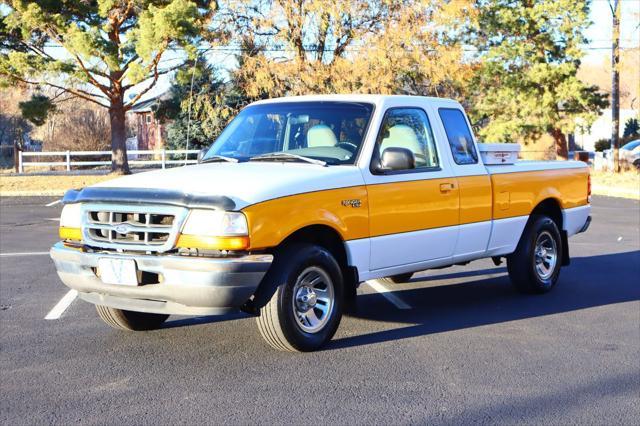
point(148, 228)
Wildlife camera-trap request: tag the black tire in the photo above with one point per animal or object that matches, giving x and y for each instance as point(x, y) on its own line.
point(532, 272)
point(279, 322)
point(397, 279)
point(129, 320)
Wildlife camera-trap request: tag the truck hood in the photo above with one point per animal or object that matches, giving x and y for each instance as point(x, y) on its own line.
point(245, 183)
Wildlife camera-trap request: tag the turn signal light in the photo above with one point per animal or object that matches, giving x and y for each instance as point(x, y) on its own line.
point(67, 233)
point(212, 243)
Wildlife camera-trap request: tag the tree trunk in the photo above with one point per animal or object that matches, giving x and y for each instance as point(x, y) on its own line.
point(615, 86)
point(119, 162)
point(560, 140)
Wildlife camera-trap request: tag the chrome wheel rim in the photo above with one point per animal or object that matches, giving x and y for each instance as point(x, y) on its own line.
point(313, 299)
point(546, 255)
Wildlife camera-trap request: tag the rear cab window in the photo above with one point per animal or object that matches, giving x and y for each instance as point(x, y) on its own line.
point(459, 136)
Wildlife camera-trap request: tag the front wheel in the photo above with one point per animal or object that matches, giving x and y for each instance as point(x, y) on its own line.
point(129, 320)
point(535, 265)
point(305, 311)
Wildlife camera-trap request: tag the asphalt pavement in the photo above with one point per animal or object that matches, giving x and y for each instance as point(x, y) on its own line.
point(465, 347)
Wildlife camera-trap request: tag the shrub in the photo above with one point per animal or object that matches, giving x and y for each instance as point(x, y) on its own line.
point(602, 144)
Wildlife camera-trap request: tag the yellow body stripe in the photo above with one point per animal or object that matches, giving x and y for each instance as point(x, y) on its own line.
point(412, 206)
point(475, 199)
point(516, 194)
point(272, 221)
point(398, 207)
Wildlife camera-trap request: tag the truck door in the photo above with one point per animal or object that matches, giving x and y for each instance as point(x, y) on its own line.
point(413, 214)
point(474, 185)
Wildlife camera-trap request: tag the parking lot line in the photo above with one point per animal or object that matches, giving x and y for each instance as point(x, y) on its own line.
point(32, 253)
point(62, 305)
point(395, 300)
point(53, 203)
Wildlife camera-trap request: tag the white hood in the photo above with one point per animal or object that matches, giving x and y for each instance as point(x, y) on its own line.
point(245, 183)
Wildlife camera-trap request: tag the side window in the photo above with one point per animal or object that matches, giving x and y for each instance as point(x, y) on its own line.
point(459, 135)
point(408, 128)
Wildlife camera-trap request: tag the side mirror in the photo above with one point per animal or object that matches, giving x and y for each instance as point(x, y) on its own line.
point(397, 159)
point(201, 154)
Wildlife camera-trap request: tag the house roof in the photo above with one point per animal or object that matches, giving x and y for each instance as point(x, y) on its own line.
point(145, 106)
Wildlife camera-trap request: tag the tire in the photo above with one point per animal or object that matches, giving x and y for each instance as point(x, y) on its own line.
point(129, 320)
point(288, 321)
point(535, 265)
point(397, 279)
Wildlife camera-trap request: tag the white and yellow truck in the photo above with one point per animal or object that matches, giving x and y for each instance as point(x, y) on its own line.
point(302, 198)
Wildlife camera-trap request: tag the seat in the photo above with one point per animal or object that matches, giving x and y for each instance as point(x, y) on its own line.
point(321, 135)
point(402, 136)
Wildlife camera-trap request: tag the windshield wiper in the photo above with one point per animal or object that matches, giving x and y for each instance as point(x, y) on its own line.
point(284, 156)
point(216, 158)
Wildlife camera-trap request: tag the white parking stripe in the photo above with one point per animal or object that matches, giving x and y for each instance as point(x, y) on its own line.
point(62, 305)
point(53, 203)
point(33, 253)
point(399, 303)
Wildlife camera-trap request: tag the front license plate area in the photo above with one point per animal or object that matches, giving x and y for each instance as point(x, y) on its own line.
point(118, 271)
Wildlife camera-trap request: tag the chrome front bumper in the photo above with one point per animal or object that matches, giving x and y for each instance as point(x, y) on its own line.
point(188, 285)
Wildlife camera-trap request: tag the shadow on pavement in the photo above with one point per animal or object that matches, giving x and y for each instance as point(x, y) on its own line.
point(588, 282)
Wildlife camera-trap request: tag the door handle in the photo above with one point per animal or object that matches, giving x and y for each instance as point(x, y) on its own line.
point(446, 187)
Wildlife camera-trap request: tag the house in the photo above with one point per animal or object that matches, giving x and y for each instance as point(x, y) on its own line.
point(601, 128)
point(149, 131)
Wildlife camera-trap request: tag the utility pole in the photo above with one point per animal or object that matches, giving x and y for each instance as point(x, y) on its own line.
point(615, 84)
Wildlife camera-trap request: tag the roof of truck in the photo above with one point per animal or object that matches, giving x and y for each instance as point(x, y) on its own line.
point(375, 99)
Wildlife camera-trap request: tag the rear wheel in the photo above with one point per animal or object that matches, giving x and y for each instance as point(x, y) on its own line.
point(305, 311)
point(397, 279)
point(535, 265)
point(129, 320)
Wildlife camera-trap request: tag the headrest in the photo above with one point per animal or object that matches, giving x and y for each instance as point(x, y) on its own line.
point(321, 135)
point(401, 136)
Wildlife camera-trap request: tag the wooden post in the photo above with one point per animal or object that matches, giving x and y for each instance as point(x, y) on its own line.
point(16, 157)
point(615, 85)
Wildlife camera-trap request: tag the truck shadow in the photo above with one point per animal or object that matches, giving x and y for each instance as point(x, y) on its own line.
point(588, 282)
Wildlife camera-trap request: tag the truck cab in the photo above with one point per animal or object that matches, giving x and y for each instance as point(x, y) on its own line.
point(302, 198)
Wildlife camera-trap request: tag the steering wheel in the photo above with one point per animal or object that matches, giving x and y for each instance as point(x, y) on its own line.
point(349, 146)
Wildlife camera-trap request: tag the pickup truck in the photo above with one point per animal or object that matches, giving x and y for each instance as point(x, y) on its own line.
point(299, 200)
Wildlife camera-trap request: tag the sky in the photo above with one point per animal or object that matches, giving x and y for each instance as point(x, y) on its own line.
point(599, 33)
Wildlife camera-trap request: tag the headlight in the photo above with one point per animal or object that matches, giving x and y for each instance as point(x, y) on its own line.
point(215, 223)
point(71, 222)
point(214, 230)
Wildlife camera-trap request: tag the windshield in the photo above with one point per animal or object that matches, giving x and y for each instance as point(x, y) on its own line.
point(328, 131)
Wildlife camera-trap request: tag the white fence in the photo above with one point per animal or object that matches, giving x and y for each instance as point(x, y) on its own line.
point(165, 158)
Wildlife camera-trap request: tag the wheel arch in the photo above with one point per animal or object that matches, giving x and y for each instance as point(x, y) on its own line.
point(552, 208)
point(324, 236)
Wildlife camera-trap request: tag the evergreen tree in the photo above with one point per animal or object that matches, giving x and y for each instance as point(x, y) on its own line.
point(526, 83)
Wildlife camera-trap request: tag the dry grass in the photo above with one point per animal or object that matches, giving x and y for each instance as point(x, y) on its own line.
point(625, 184)
point(46, 185)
